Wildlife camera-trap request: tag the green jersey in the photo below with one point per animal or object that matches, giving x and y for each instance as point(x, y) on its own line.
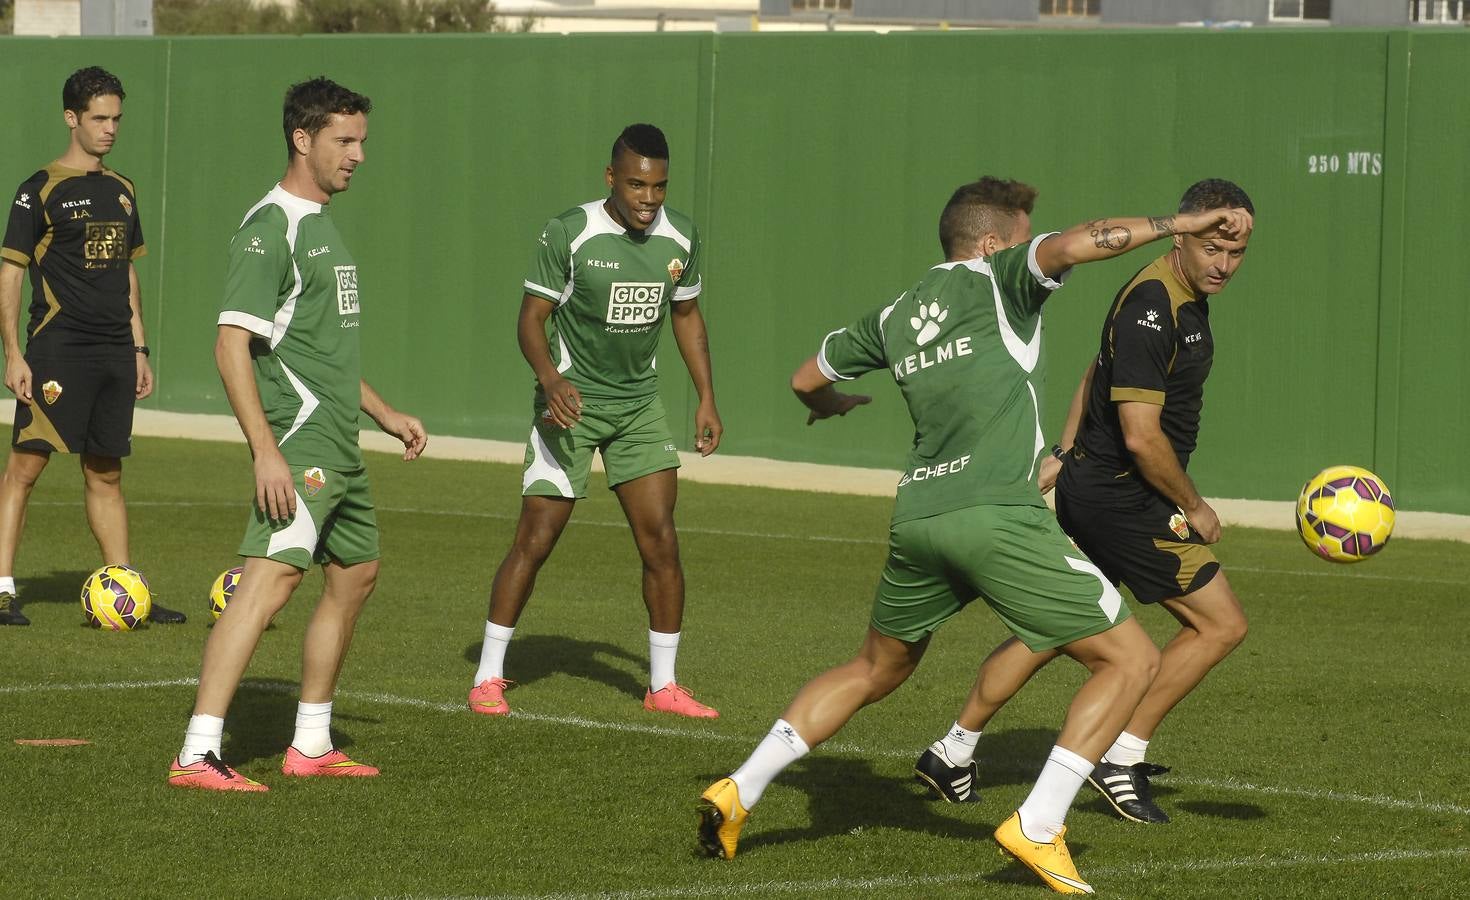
point(293, 285)
point(964, 345)
point(612, 287)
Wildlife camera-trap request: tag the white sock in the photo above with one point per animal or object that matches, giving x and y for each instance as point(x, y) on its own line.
point(7, 585)
point(959, 745)
point(1126, 750)
point(313, 728)
point(1045, 810)
point(492, 652)
point(662, 648)
point(777, 750)
point(204, 736)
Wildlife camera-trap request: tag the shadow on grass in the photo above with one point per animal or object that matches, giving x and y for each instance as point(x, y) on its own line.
point(66, 587)
point(535, 656)
point(1238, 811)
point(262, 721)
point(845, 795)
point(1011, 757)
point(54, 587)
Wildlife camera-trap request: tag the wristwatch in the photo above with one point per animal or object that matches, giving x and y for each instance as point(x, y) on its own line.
point(141, 348)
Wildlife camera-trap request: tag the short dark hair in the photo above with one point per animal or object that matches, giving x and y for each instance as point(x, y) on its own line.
point(642, 139)
point(1214, 193)
point(84, 84)
point(987, 206)
point(310, 106)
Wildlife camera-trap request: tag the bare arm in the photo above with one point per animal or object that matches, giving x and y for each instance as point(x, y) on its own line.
point(693, 341)
point(406, 428)
point(1106, 238)
point(1077, 409)
point(135, 302)
point(562, 398)
point(1156, 462)
point(1051, 467)
point(275, 492)
point(17, 371)
point(816, 392)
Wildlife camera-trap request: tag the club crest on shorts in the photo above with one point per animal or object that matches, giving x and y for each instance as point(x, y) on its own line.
point(1179, 525)
point(676, 269)
point(127, 204)
point(51, 391)
point(314, 480)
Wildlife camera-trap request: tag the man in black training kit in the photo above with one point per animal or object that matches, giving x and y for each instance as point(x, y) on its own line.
point(74, 226)
point(1124, 497)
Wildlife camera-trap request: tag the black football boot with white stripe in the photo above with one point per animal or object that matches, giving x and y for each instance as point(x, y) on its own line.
point(1127, 790)
point(954, 784)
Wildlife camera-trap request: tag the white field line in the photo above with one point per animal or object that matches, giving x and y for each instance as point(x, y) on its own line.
point(717, 737)
point(769, 535)
point(891, 882)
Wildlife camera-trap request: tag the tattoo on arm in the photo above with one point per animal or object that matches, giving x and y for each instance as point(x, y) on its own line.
point(1162, 224)
point(1111, 237)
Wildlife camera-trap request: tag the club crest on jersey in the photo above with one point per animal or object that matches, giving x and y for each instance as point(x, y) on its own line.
point(314, 480)
point(1179, 525)
point(51, 391)
point(676, 269)
point(634, 302)
point(127, 204)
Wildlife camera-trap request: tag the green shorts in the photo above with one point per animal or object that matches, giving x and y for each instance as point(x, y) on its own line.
point(633, 436)
point(1016, 558)
point(334, 519)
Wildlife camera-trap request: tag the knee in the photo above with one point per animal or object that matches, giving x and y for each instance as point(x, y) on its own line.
point(884, 677)
point(368, 578)
point(1148, 663)
point(103, 477)
point(1230, 633)
point(23, 474)
point(660, 550)
point(533, 545)
point(1140, 662)
point(365, 578)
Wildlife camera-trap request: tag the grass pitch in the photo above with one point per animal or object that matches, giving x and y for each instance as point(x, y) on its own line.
point(1325, 758)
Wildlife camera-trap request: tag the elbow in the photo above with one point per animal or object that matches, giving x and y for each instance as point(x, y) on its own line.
point(1137, 444)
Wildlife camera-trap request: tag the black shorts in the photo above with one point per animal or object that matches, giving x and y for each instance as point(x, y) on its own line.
point(79, 406)
point(1141, 547)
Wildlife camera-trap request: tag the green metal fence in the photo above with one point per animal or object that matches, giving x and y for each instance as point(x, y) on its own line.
point(816, 166)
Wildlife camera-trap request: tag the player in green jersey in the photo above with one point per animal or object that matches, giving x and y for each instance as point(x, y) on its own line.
point(963, 344)
point(1124, 496)
point(605, 275)
point(291, 314)
point(75, 227)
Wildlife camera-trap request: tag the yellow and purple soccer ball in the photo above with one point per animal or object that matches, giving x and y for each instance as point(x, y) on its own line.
point(116, 598)
point(1345, 514)
point(222, 590)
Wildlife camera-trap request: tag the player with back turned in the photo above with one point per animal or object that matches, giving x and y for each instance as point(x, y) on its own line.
point(963, 344)
point(1124, 496)
point(74, 226)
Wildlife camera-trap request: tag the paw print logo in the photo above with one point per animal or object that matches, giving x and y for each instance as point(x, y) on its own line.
point(927, 322)
point(788, 732)
point(255, 242)
point(1152, 314)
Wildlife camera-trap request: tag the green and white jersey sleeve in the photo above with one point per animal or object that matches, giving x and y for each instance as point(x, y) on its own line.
point(612, 289)
point(293, 285)
point(964, 346)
